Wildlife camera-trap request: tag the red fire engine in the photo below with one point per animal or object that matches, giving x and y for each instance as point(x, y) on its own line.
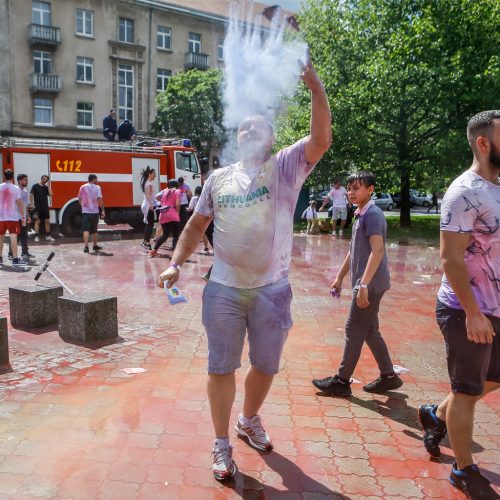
point(118, 168)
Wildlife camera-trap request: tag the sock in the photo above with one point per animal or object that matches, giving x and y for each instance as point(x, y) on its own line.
point(243, 420)
point(221, 442)
point(343, 380)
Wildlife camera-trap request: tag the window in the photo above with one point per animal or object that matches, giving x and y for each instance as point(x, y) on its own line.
point(126, 30)
point(84, 70)
point(164, 37)
point(85, 114)
point(42, 62)
point(162, 78)
point(43, 111)
point(220, 49)
point(186, 161)
point(84, 22)
point(125, 92)
point(40, 13)
point(194, 44)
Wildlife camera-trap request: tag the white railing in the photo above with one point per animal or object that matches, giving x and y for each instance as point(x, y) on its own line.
point(46, 82)
point(43, 33)
point(72, 144)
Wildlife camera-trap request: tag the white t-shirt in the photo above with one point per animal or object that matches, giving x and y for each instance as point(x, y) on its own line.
point(89, 194)
point(338, 197)
point(309, 213)
point(151, 198)
point(9, 194)
point(253, 217)
point(192, 203)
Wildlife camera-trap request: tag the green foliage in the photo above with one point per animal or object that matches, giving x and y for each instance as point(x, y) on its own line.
point(191, 107)
point(402, 77)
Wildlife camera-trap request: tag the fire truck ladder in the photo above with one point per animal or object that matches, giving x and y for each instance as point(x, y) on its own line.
point(79, 145)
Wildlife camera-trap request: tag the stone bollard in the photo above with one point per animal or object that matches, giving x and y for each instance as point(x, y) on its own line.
point(87, 319)
point(4, 344)
point(33, 306)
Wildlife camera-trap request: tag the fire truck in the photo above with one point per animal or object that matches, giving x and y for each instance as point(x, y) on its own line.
point(118, 168)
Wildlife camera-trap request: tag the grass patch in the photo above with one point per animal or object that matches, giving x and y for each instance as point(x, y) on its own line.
point(424, 230)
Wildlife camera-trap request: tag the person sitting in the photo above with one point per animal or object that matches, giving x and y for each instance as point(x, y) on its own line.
point(109, 126)
point(126, 131)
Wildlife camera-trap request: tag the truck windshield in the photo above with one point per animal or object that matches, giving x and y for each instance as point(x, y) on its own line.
point(186, 161)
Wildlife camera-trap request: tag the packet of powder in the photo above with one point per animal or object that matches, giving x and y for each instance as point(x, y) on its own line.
point(174, 295)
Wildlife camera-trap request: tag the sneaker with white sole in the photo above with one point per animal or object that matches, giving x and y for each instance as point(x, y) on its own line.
point(49, 238)
point(223, 466)
point(254, 432)
point(37, 239)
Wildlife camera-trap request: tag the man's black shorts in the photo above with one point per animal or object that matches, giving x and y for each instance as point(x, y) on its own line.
point(89, 222)
point(42, 214)
point(469, 364)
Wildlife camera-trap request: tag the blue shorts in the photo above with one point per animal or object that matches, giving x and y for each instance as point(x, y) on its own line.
point(228, 313)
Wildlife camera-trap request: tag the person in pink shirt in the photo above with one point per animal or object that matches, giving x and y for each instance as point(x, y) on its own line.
point(169, 215)
point(90, 199)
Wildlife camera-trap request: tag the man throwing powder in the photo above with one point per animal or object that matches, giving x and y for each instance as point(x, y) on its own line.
point(252, 204)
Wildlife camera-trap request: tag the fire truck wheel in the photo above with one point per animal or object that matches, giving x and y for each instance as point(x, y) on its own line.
point(72, 220)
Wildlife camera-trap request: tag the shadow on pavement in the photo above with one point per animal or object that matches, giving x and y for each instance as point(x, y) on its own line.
point(294, 481)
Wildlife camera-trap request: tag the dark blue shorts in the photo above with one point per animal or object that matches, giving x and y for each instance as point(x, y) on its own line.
point(469, 364)
point(90, 222)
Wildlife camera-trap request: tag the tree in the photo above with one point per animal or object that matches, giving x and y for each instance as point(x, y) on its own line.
point(191, 107)
point(403, 77)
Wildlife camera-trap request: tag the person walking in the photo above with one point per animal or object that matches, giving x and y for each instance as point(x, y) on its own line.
point(468, 303)
point(148, 205)
point(169, 216)
point(190, 210)
point(109, 126)
point(248, 290)
point(186, 195)
point(39, 196)
point(11, 206)
point(310, 214)
point(90, 199)
point(434, 202)
point(367, 262)
point(338, 197)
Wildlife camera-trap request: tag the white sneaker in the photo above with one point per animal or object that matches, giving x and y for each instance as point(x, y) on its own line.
point(37, 239)
point(341, 233)
point(254, 432)
point(223, 466)
point(49, 238)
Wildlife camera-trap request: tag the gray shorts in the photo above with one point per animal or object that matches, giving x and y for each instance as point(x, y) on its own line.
point(339, 213)
point(228, 313)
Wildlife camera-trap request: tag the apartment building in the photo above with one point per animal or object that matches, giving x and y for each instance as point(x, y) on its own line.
point(65, 63)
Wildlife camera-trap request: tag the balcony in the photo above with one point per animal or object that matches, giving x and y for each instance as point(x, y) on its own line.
point(40, 34)
point(45, 82)
point(196, 60)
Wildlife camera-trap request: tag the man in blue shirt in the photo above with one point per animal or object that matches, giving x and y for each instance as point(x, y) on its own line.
point(109, 127)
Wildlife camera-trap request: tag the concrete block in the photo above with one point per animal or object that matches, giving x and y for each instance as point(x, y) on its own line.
point(87, 318)
point(33, 306)
point(4, 343)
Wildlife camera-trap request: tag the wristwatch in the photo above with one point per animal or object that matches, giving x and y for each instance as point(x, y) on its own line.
point(363, 285)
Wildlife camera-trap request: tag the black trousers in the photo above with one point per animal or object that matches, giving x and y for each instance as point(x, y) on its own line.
point(148, 230)
point(172, 227)
point(22, 239)
point(183, 215)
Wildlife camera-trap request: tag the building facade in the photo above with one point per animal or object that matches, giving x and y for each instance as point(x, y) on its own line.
point(65, 63)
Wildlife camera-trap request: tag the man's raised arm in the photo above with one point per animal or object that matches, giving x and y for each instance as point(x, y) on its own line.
point(320, 138)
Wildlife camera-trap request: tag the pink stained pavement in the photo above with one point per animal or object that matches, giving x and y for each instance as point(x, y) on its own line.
point(74, 425)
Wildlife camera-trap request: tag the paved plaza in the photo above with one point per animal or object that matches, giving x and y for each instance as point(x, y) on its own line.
point(74, 425)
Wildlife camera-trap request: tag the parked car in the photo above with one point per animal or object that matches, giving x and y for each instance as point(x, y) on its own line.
point(421, 198)
point(383, 201)
point(396, 199)
point(320, 198)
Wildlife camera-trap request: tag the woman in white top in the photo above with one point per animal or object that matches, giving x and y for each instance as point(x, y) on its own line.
point(148, 205)
point(190, 209)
